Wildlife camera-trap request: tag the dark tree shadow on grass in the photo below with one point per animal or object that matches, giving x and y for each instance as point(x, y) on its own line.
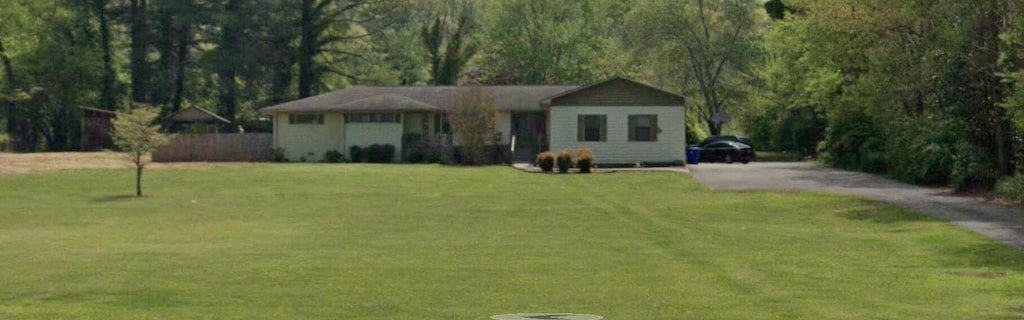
point(114, 198)
point(878, 213)
point(994, 256)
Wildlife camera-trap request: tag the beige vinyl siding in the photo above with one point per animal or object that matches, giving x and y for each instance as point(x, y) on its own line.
point(307, 140)
point(369, 133)
point(617, 149)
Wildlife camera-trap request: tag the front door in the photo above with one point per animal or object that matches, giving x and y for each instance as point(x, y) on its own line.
point(530, 132)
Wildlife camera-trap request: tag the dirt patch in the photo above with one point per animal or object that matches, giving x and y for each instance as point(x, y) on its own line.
point(24, 163)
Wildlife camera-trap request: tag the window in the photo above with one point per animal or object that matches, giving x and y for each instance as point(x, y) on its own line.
point(592, 127)
point(386, 117)
point(441, 124)
point(643, 127)
point(305, 119)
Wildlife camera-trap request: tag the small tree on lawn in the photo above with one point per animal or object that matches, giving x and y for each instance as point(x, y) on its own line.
point(136, 134)
point(472, 114)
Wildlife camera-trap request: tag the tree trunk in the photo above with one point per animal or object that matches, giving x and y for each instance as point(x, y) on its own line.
point(184, 41)
point(229, 51)
point(6, 61)
point(138, 175)
point(714, 128)
point(107, 94)
point(165, 41)
point(432, 39)
point(140, 70)
point(284, 60)
point(307, 49)
point(1003, 130)
point(9, 72)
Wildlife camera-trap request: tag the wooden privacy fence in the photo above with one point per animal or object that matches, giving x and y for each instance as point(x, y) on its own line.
point(216, 147)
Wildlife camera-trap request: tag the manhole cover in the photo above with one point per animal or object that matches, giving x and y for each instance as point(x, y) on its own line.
point(546, 316)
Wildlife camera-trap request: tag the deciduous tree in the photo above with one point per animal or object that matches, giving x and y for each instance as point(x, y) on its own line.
point(704, 47)
point(449, 42)
point(472, 114)
point(136, 134)
point(545, 42)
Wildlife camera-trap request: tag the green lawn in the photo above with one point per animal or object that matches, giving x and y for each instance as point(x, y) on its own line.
point(294, 241)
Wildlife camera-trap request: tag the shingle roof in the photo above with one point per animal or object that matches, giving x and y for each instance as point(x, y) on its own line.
point(197, 114)
point(387, 101)
point(416, 98)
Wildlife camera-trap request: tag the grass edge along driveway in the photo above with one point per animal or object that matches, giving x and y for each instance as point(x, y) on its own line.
point(309, 241)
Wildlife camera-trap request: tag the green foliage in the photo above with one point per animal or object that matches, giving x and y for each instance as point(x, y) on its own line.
point(972, 167)
point(136, 134)
point(388, 155)
point(548, 42)
point(1012, 63)
point(473, 116)
point(922, 150)
point(418, 157)
point(378, 153)
point(702, 48)
point(357, 154)
point(449, 42)
point(1011, 187)
point(374, 153)
point(771, 156)
point(695, 131)
point(564, 161)
point(910, 90)
point(278, 155)
point(853, 140)
point(788, 112)
point(584, 160)
point(823, 75)
point(4, 139)
point(546, 161)
point(333, 156)
point(433, 158)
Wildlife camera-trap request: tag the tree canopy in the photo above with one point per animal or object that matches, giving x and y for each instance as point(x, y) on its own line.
point(928, 91)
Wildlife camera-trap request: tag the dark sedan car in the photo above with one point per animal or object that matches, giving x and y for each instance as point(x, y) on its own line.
point(728, 152)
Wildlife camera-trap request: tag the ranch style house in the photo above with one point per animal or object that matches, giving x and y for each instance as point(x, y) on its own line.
point(620, 120)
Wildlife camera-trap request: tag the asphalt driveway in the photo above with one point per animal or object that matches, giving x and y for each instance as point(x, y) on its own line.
point(1000, 223)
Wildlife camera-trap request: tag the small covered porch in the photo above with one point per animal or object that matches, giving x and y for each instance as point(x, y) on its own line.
point(528, 132)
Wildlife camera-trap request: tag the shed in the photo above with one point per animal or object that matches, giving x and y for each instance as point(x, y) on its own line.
point(197, 120)
point(97, 129)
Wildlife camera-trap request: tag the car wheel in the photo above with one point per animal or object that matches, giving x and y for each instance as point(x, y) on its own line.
point(728, 158)
point(745, 161)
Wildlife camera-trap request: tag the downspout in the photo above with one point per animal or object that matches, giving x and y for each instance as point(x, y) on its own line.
point(276, 128)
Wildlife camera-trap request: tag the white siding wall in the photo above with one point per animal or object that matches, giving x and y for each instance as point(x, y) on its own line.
point(503, 124)
point(366, 134)
point(671, 144)
point(308, 140)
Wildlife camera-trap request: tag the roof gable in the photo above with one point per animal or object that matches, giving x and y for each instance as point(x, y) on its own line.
point(617, 91)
